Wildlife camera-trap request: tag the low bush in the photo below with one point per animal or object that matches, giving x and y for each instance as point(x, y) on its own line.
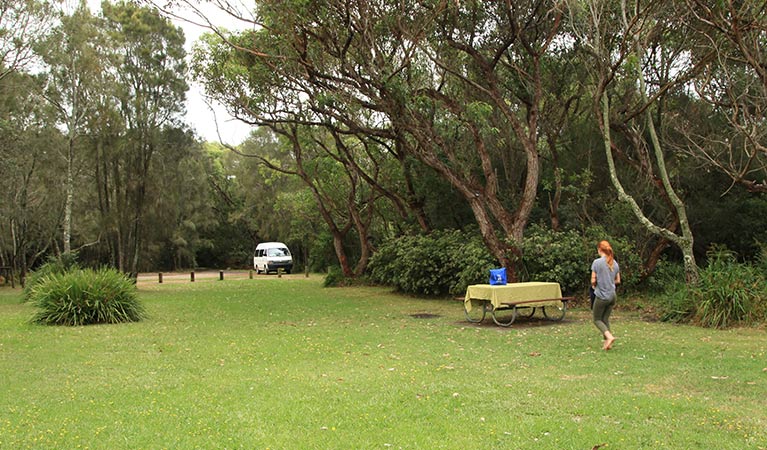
point(440, 263)
point(565, 257)
point(54, 265)
point(728, 292)
point(334, 278)
point(675, 304)
point(85, 296)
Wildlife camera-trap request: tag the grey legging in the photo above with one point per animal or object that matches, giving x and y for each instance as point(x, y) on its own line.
point(602, 310)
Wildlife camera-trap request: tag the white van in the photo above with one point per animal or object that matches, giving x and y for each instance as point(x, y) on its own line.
point(271, 256)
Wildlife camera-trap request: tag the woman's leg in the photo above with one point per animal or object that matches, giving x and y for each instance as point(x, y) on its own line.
point(600, 307)
point(602, 310)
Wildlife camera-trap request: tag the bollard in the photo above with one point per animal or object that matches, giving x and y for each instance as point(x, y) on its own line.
point(221, 276)
point(279, 272)
point(250, 274)
point(306, 270)
point(191, 275)
point(159, 277)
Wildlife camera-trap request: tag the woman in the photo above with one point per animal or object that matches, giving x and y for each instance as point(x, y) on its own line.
point(605, 274)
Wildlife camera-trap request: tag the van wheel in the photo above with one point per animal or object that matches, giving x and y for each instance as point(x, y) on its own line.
point(257, 271)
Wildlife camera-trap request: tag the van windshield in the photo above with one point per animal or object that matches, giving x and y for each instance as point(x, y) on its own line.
point(277, 252)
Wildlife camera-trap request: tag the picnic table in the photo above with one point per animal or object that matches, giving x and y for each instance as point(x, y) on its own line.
point(516, 298)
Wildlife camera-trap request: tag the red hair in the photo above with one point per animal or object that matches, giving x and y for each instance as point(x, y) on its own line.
point(605, 248)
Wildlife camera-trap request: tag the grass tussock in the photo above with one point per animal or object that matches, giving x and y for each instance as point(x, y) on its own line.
point(85, 297)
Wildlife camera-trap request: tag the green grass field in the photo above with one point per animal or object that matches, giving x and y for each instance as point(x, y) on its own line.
point(285, 364)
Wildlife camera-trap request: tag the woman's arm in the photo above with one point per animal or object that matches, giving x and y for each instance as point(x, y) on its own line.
point(618, 278)
point(593, 279)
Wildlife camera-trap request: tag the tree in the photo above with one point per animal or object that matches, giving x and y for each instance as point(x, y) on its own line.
point(151, 89)
point(75, 61)
point(22, 23)
point(623, 54)
point(29, 175)
point(734, 89)
point(441, 82)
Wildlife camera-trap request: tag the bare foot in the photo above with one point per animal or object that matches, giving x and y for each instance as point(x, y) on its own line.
point(609, 343)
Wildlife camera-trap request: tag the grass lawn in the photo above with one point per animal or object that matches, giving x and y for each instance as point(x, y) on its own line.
point(285, 364)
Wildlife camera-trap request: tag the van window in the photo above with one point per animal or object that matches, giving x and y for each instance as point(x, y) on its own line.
point(282, 251)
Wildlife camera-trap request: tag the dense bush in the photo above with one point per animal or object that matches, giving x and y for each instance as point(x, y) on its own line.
point(334, 278)
point(729, 292)
point(440, 263)
point(85, 296)
point(565, 257)
point(54, 265)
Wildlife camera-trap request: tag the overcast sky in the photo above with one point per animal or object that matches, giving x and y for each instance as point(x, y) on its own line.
point(199, 115)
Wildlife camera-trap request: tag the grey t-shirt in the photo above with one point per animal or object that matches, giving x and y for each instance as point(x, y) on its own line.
point(605, 288)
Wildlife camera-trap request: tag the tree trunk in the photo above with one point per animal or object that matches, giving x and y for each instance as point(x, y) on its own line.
point(70, 187)
point(684, 242)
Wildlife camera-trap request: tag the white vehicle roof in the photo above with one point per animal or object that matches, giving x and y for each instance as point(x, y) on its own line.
point(270, 244)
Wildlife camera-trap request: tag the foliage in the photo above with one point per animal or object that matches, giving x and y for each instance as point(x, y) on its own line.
point(729, 293)
point(56, 265)
point(440, 263)
point(676, 304)
point(565, 257)
point(334, 278)
point(665, 275)
point(84, 297)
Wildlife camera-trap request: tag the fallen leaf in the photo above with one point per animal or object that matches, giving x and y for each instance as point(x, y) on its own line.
point(535, 353)
point(598, 446)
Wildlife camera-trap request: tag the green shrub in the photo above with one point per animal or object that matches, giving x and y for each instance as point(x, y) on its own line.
point(334, 278)
point(676, 304)
point(565, 257)
point(729, 293)
point(666, 277)
point(85, 296)
point(54, 265)
point(437, 264)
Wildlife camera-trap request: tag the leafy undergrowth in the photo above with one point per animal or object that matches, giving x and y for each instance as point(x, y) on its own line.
point(283, 363)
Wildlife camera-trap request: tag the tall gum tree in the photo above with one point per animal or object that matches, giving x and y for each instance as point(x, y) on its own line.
point(150, 91)
point(446, 78)
point(74, 61)
point(618, 54)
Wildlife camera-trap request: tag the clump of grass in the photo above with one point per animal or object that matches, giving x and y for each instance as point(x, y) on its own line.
point(729, 292)
point(54, 265)
point(84, 297)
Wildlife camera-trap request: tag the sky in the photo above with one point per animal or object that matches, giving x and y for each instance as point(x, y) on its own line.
point(199, 114)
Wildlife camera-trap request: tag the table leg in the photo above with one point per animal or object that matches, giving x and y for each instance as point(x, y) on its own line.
point(476, 316)
point(505, 321)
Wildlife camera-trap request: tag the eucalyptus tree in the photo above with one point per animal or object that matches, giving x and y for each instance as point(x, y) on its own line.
point(22, 24)
point(179, 202)
point(456, 85)
point(733, 87)
point(622, 65)
point(74, 56)
point(150, 89)
point(29, 175)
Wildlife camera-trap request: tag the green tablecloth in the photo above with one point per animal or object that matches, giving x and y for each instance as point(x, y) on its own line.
point(513, 293)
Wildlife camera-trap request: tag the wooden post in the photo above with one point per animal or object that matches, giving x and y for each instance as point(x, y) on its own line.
point(306, 270)
point(279, 272)
point(250, 274)
point(191, 275)
point(221, 275)
point(159, 277)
